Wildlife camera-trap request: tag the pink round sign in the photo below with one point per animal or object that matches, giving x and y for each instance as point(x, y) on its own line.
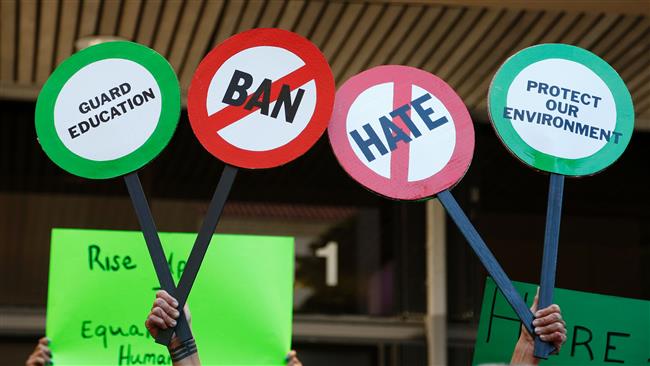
point(401, 132)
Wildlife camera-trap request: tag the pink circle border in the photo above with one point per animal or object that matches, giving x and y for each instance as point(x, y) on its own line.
point(447, 177)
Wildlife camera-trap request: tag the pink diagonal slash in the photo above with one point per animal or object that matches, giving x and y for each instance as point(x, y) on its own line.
point(399, 162)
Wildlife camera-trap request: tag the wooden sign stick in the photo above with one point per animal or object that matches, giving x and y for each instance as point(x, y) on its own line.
point(197, 254)
point(200, 248)
point(154, 246)
point(487, 258)
point(549, 259)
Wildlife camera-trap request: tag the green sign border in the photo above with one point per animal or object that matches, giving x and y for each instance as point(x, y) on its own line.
point(167, 122)
point(497, 97)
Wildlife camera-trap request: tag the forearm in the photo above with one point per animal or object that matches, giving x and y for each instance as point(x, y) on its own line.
point(523, 353)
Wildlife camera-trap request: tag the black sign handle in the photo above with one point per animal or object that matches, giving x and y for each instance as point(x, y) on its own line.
point(154, 246)
point(487, 258)
point(549, 259)
point(200, 248)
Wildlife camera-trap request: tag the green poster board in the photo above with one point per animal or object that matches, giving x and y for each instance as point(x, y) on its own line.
point(601, 330)
point(102, 285)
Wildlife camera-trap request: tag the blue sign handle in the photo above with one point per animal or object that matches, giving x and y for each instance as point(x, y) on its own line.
point(549, 259)
point(487, 258)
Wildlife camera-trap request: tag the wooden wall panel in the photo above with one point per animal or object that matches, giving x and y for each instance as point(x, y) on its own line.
point(463, 44)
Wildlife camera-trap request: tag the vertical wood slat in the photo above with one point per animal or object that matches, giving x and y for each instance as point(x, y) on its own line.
point(420, 35)
point(642, 104)
point(310, 16)
point(636, 65)
point(497, 44)
point(201, 40)
point(615, 34)
point(66, 33)
point(581, 28)
point(339, 34)
point(561, 27)
point(392, 42)
point(326, 22)
point(26, 40)
point(251, 13)
point(166, 27)
point(636, 34)
point(476, 82)
point(108, 19)
point(355, 41)
point(88, 18)
point(289, 17)
point(453, 39)
point(7, 40)
point(271, 14)
point(641, 79)
point(184, 34)
point(377, 40)
point(473, 36)
point(129, 18)
point(499, 37)
point(46, 39)
point(151, 12)
point(598, 30)
point(566, 23)
point(229, 21)
point(637, 52)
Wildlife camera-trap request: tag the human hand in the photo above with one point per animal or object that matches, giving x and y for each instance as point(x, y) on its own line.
point(548, 324)
point(292, 359)
point(164, 313)
point(550, 327)
point(42, 355)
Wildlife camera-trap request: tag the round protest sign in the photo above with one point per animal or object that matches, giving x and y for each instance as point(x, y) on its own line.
point(561, 109)
point(261, 98)
point(108, 110)
point(401, 132)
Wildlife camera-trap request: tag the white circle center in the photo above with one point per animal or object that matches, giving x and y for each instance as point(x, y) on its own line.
point(266, 128)
point(107, 109)
point(561, 108)
point(430, 147)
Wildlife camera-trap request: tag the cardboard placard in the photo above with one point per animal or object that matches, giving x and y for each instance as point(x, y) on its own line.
point(401, 132)
point(601, 329)
point(99, 320)
point(108, 110)
point(261, 98)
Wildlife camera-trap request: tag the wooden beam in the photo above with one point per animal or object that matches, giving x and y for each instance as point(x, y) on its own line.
point(633, 7)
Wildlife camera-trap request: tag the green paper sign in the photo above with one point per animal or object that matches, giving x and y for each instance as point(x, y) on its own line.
point(102, 285)
point(601, 330)
point(108, 110)
point(561, 109)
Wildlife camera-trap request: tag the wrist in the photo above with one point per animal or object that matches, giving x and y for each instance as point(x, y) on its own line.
point(523, 353)
point(180, 350)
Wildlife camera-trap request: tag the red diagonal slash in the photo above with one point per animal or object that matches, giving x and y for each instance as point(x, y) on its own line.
point(399, 161)
point(232, 114)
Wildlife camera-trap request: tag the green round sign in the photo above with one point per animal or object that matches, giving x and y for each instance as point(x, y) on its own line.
point(108, 110)
point(561, 109)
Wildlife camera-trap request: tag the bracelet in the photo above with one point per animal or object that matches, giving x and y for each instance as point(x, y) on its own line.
point(186, 349)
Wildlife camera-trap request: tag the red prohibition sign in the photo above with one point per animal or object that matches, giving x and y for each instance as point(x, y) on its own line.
point(401, 132)
point(261, 98)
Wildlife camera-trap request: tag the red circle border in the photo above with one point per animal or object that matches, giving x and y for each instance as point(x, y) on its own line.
point(198, 90)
